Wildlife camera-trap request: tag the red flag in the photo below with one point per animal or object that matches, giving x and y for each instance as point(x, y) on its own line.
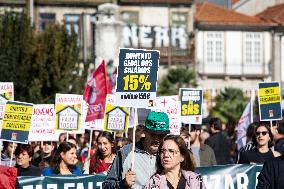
point(111, 82)
point(8, 177)
point(95, 93)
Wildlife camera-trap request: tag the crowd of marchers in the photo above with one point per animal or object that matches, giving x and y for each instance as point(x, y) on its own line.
point(161, 160)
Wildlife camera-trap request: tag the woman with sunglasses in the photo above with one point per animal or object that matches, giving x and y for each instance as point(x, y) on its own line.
point(263, 140)
point(174, 167)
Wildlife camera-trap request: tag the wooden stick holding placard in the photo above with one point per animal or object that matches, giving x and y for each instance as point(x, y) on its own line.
point(133, 136)
point(1, 148)
point(13, 149)
point(252, 97)
point(271, 125)
point(189, 128)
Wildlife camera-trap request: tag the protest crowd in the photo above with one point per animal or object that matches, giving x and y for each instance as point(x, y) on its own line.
point(165, 160)
point(172, 148)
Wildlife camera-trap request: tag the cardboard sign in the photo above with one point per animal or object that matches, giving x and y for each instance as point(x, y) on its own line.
point(191, 105)
point(43, 123)
point(116, 118)
point(137, 78)
point(269, 98)
point(171, 106)
point(69, 108)
point(16, 121)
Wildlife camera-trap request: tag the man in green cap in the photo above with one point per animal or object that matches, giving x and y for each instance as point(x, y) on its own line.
point(120, 174)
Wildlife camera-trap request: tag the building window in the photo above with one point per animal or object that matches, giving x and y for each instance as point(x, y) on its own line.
point(130, 17)
point(253, 49)
point(179, 19)
point(46, 19)
point(214, 48)
point(73, 22)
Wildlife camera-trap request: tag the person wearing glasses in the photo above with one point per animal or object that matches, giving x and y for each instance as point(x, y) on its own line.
point(174, 169)
point(263, 140)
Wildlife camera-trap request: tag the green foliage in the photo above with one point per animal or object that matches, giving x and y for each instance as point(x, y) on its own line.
point(39, 64)
point(230, 104)
point(176, 78)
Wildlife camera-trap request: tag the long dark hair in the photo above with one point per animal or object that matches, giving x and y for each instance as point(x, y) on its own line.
point(98, 155)
point(56, 160)
point(186, 165)
point(266, 125)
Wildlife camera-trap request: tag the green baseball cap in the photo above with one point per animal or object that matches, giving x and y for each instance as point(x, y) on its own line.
point(157, 122)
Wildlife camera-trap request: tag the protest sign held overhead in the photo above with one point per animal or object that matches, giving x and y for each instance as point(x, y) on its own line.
point(16, 121)
point(116, 118)
point(95, 93)
point(68, 112)
point(191, 105)
point(137, 78)
point(269, 98)
point(43, 123)
point(171, 106)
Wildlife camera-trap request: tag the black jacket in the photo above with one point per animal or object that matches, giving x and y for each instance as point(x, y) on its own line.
point(272, 174)
point(220, 146)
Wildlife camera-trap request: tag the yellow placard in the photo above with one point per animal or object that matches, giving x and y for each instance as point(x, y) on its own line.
point(19, 109)
point(68, 108)
point(269, 91)
point(17, 117)
point(269, 99)
point(116, 118)
point(19, 126)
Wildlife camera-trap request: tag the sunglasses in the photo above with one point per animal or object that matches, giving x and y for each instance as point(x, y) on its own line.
point(263, 133)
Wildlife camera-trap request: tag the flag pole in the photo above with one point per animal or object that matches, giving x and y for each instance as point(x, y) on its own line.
point(252, 97)
point(189, 128)
point(133, 139)
point(1, 148)
point(13, 149)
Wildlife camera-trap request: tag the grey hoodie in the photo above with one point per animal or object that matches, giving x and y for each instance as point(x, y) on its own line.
point(5, 160)
point(144, 167)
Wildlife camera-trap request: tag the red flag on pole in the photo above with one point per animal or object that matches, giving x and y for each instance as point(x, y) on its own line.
point(95, 93)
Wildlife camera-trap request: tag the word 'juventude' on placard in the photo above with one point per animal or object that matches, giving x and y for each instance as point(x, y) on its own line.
point(138, 56)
